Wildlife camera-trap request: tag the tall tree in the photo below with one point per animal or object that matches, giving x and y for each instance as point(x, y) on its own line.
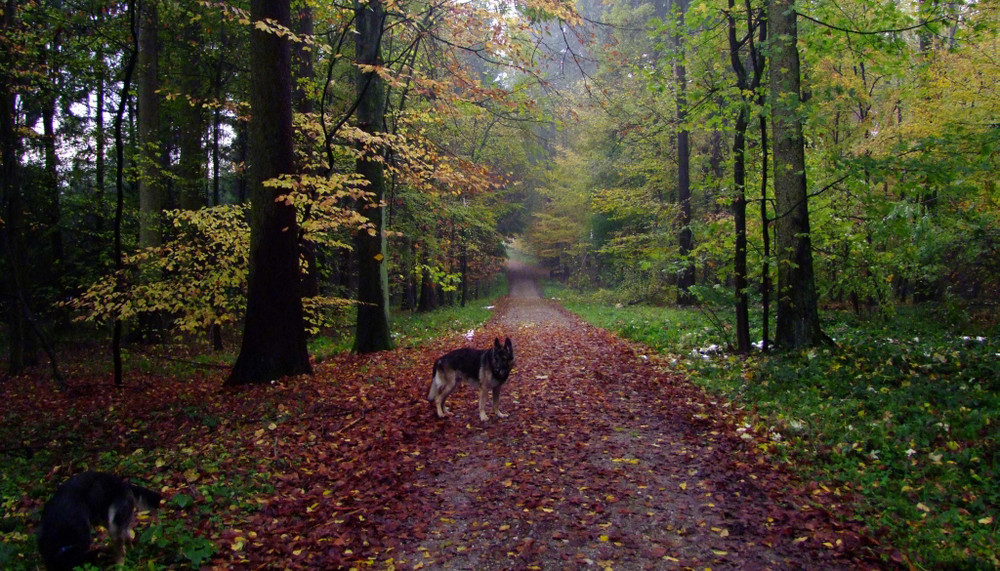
point(685, 278)
point(152, 185)
point(747, 81)
point(12, 227)
point(123, 101)
point(372, 333)
point(274, 339)
point(151, 190)
point(798, 315)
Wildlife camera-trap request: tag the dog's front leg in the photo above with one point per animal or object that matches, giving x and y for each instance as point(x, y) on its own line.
point(482, 402)
point(496, 404)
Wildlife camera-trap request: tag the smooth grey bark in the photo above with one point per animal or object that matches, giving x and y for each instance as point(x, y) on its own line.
point(372, 328)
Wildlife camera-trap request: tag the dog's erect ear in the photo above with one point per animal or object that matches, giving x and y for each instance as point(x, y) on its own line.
point(496, 343)
point(509, 346)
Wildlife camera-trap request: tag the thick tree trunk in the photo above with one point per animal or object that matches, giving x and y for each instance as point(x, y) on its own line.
point(372, 333)
point(686, 277)
point(152, 186)
point(798, 314)
point(274, 339)
point(151, 189)
point(13, 227)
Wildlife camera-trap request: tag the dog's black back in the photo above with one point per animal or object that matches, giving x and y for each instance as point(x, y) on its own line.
point(470, 362)
point(82, 502)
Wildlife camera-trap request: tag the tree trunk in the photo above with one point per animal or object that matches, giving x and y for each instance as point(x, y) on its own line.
point(686, 277)
point(53, 211)
point(274, 339)
point(428, 296)
point(131, 62)
point(99, 162)
point(740, 222)
point(798, 315)
point(191, 171)
point(302, 103)
point(151, 187)
point(372, 333)
point(13, 226)
point(746, 83)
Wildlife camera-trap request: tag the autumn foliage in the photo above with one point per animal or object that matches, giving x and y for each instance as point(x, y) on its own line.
point(608, 457)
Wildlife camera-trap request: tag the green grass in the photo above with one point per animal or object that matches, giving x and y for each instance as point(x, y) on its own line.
point(904, 410)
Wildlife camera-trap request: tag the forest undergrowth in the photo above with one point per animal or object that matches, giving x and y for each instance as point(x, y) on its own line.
point(901, 410)
point(609, 457)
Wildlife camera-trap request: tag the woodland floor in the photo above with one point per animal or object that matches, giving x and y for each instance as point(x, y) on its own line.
point(606, 460)
point(609, 459)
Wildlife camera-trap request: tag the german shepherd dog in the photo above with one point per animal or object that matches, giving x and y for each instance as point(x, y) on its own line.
point(83, 502)
point(485, 369)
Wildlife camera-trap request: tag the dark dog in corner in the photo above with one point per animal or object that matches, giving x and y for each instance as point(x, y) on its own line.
point(84, 501)
point(485, 369)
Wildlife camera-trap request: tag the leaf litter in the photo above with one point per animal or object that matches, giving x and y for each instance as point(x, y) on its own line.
point(609, 458)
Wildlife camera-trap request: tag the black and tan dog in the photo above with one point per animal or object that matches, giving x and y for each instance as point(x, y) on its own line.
point(485, 369)
point(84, 501)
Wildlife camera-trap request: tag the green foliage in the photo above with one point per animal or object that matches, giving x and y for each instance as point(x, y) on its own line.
point(903, 410)
point(198, 277)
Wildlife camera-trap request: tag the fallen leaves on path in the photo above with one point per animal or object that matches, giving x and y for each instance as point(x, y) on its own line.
point(608, 459)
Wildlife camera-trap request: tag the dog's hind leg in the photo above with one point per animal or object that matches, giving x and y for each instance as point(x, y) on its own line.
point(446, 384)
point(483, 392)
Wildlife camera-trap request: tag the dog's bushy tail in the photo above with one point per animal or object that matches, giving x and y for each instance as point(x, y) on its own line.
point(432, 393)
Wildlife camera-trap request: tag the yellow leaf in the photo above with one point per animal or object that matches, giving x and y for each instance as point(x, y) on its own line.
point(684, 485)
point(923, 507)
point(986, 520)
point(604, 538)
point(238, 544)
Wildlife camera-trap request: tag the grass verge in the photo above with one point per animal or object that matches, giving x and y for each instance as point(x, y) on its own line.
point(904, 411)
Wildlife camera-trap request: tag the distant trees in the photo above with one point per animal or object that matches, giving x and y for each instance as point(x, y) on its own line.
point(406, 128)
point(856, 194)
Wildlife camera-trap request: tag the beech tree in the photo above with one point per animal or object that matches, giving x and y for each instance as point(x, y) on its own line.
point(372, 326)
point(274, 338)
point(798, 305)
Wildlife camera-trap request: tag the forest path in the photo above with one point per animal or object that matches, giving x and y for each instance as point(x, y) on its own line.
point(605, 460)
point(608, 459)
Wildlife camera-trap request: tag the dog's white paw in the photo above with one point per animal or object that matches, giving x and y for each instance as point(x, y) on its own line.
point(502, 414)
